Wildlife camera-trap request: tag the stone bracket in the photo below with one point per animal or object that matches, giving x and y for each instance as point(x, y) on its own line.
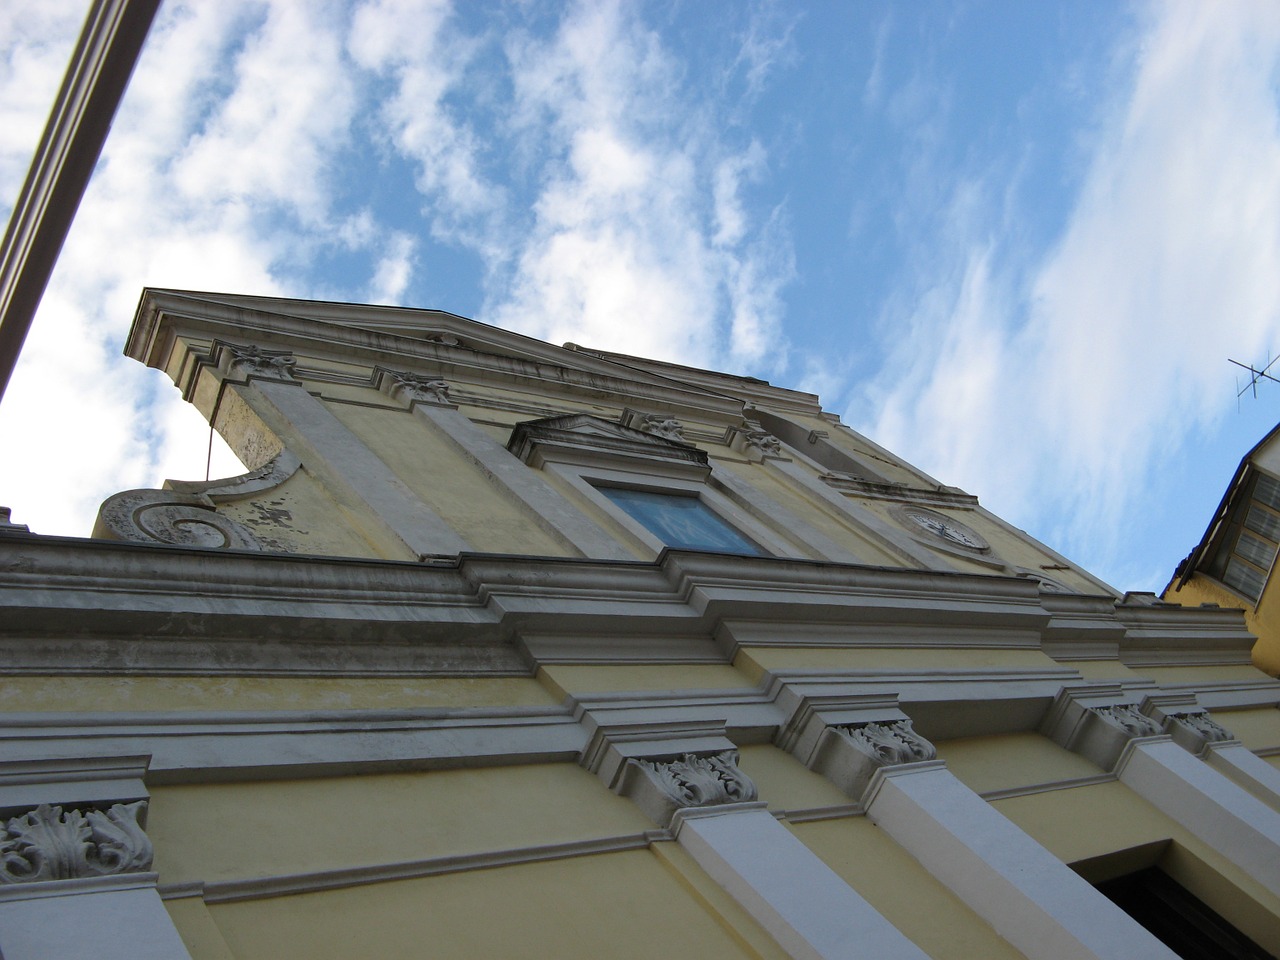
point(1096, 722)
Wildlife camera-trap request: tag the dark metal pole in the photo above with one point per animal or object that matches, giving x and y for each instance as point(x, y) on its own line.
point(96, 78)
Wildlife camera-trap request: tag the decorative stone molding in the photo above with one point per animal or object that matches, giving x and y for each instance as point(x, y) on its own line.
point(661, 787)
point(1087, 720)
point(849, 754)
point(940, 529)
point(264, 479)
point(666, 765)
point(1127, 718)
point(693, 781)
point(8, 526)
point(263, 364)
point(889, 744)
point(166, 516)
point(1205, 726)
point(584, 439)
point(1195, 730)
point(661, 425)
point(445, 339)
point(417, 389)
point(48, 843)
point(754, 442)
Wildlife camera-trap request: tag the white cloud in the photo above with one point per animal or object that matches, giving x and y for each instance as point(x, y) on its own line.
point(39, 36)
point(640, 242)
point(219, 174)
point(1073, 382)
point(230, 167)
point(394, 269)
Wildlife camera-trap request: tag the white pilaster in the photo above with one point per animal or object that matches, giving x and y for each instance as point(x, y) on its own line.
point(542, 502)
point(329, 450)
point(1031, 898)
point(1213, 808)
point(98, 918)
point(805, 906)
point(1237, 762)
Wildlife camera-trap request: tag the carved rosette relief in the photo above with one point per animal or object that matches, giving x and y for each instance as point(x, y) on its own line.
point(257, 362)
point(889, 744)
point(693, 781)
point(48, 843)
point(669, 428)
point(1202, 726)
point(422, 389)
point(1128, 719)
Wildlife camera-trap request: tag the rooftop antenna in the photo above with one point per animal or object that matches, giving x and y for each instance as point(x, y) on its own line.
point(1254, 376)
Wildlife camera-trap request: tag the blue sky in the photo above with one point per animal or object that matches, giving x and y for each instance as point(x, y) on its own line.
point(1014, 242)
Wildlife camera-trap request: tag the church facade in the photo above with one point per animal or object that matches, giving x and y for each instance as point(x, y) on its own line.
point(503, 649)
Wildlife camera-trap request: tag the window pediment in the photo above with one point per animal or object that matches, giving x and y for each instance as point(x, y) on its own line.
point(582, 438)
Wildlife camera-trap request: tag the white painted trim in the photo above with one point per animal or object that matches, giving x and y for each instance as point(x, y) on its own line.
point(798, 899)
point(1215, 809)
point(1031, 898)
point(88, 920)
point(262, 888)
point(1241, 765)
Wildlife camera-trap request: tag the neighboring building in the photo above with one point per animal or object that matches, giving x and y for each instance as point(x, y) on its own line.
point(502, 649)
point(1231, 565)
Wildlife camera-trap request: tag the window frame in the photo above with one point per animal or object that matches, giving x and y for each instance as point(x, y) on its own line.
point(1223, 552)
point(585, 453)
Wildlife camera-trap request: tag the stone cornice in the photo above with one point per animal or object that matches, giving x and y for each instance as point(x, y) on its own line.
point(69, 602)
point(480, 354)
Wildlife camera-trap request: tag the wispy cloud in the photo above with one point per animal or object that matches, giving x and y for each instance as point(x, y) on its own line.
point(1078, 373)
point(576, 163)
point(219, 174)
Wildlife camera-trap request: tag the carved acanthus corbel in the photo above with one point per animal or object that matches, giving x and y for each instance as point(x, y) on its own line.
point(1129, 719)
point(661, 787)
point(48, 843)
point(754, 442)
point(661, 425)
point(255, 361)
point(850, 754)
point(1204, 726)
point(891, 743)
point(419, 389)
point(693, 781)
point(1086, 719)
point(1195, 730)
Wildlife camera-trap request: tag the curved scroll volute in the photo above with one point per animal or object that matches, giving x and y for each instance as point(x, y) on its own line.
point(166, 516)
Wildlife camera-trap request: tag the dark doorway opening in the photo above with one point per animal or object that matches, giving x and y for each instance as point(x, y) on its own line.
point(1184, 923)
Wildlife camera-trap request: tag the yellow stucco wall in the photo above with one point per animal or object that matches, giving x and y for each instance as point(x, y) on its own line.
point(300, 516)
point(1258, 729)
point(753, 661)
point(304, 826)
point(791, 497)
point(452, 485)
point(1011, 761)
point(619, 905)
point(1091, 822)
point(1263, 621)
point(153, 693)
point(565, 679)
point(907, 895)
point(785, 783)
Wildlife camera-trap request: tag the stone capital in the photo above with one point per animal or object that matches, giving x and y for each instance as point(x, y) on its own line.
point(1096, 722)
point(53, 843)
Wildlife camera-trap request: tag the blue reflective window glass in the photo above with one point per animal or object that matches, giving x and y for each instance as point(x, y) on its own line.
point(680, 521)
